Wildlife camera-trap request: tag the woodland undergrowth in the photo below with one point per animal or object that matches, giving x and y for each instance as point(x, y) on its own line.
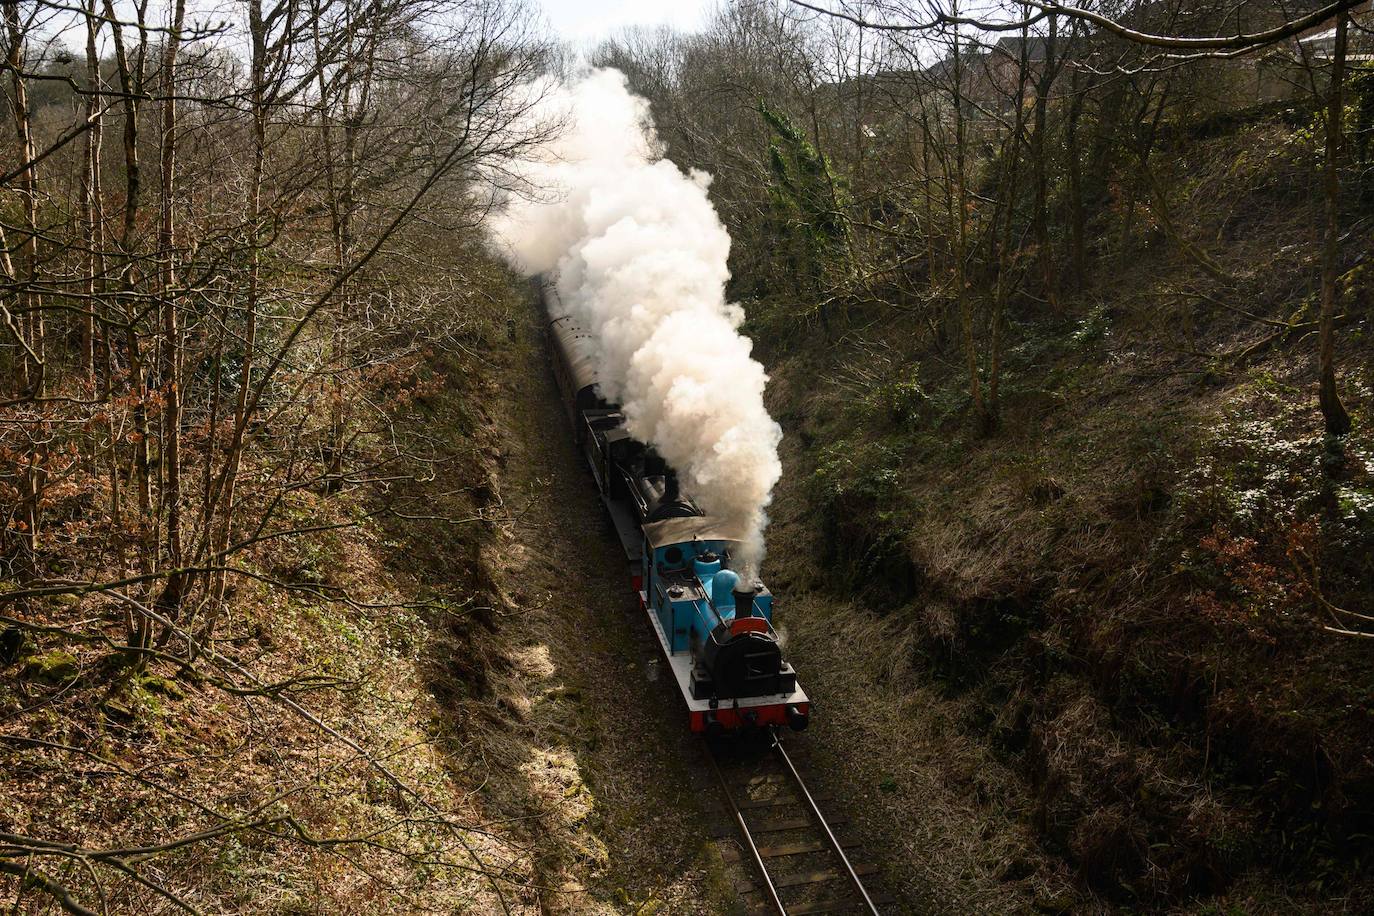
point(1149, 589)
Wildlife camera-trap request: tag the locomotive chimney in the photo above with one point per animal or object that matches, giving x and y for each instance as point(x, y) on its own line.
point(744, 600)
point(670, 487)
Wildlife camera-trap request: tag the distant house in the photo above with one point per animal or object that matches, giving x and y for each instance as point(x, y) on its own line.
point(1320, 42)
point(1003, 63)
point(989, 71)
point(1291, 69)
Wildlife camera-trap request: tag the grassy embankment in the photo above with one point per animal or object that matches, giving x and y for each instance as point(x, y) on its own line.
point(301, 762)
point(1086, 654)
point(471, 719)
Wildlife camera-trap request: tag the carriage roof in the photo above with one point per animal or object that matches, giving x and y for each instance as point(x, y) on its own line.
point(573, 340)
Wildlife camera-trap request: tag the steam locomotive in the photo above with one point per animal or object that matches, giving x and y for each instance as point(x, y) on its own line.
point(713, 625)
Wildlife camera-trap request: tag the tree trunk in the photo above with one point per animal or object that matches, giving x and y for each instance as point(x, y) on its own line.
point(1334, 415)
point(32, 480)
point(1044, 254)
point(1077, 217)
point(169, 602)
point(90, 199)
point(219, 542)
point(131, 87)
point(965, 303)
point(1002, 238)
point(31, 317)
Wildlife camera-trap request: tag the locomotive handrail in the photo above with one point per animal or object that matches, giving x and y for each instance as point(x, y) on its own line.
point(730, 632)
point(710, 627)
point(729, 624)
point(720, 618)
point(748, 625)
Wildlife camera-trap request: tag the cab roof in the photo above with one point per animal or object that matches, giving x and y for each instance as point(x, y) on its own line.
point(685, 530)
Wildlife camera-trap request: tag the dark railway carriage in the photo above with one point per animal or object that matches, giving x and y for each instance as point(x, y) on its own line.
point(714, 628)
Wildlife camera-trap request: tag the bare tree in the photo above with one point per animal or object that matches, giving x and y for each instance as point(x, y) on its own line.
point(171, 333)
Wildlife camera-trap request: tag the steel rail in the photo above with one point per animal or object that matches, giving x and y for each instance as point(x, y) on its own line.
point(748, 837)
point(825, 827)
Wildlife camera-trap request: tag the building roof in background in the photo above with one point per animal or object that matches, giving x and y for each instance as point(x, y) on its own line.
point(1012, 47)
point(1359, 38)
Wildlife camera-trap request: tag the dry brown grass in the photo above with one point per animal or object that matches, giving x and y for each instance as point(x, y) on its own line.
point(571, 730)
point(1152, 749)
point(146, 758)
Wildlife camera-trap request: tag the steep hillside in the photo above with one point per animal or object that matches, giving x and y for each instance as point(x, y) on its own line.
point(439, 696)
point(303, 758)
point(1102, 641)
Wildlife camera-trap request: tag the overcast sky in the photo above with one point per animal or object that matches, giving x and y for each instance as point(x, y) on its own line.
point(588, 20)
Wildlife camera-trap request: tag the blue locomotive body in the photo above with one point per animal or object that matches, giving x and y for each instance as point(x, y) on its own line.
point(695, 593)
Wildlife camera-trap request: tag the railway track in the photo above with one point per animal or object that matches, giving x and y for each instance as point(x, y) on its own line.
point(802, 864)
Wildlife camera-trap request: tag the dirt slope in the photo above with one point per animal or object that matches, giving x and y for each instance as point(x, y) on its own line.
point(592, 750)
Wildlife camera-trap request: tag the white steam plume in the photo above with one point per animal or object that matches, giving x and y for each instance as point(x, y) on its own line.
point(640, 258)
